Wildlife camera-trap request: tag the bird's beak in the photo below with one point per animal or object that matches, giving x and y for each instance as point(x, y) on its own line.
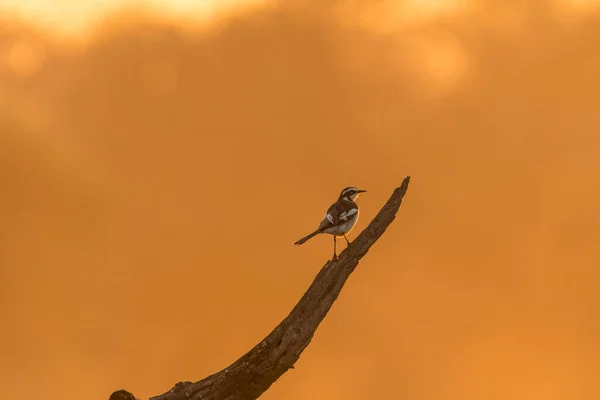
point(362, 191)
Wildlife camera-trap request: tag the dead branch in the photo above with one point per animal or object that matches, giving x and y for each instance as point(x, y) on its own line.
point(257, 370)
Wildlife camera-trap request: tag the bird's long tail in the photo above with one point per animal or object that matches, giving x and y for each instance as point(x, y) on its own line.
point(307, 237)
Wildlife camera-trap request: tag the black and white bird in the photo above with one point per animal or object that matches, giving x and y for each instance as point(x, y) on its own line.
point(340, 218)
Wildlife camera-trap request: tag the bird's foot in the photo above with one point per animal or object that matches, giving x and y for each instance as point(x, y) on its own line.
point(335, 257)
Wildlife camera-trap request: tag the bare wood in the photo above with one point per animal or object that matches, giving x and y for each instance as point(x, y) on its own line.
point(257, 370)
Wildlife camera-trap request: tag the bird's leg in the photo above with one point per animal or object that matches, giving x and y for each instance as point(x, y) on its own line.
point(347, 242)
point(334, 252)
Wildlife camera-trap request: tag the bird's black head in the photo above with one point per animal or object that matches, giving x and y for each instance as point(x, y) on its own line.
point(350, 193)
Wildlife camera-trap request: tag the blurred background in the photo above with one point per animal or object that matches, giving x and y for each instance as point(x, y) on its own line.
point(159, 158)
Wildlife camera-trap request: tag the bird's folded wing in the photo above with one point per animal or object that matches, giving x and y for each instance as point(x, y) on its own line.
point(348, 214)
point(337, 214)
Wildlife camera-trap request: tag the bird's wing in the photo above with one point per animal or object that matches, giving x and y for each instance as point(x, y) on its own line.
point(337, 214)
point(331, 219)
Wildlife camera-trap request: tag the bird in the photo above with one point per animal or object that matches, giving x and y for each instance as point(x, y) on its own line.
point(339, 219)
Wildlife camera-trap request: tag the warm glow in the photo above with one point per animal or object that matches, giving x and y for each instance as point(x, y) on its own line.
point(154, 179)
point(570, 11)
point(390, 15)
point(76, 16)
point(439, 61)
point(23, 57)
point(582, 5)
point(427, 9)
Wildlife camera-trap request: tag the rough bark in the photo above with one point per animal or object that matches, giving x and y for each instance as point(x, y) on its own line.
point(257, 370)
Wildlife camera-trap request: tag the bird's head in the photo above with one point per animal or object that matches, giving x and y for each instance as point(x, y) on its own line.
point(351, 193)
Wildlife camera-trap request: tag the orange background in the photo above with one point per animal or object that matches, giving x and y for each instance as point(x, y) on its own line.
point(154, 178)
